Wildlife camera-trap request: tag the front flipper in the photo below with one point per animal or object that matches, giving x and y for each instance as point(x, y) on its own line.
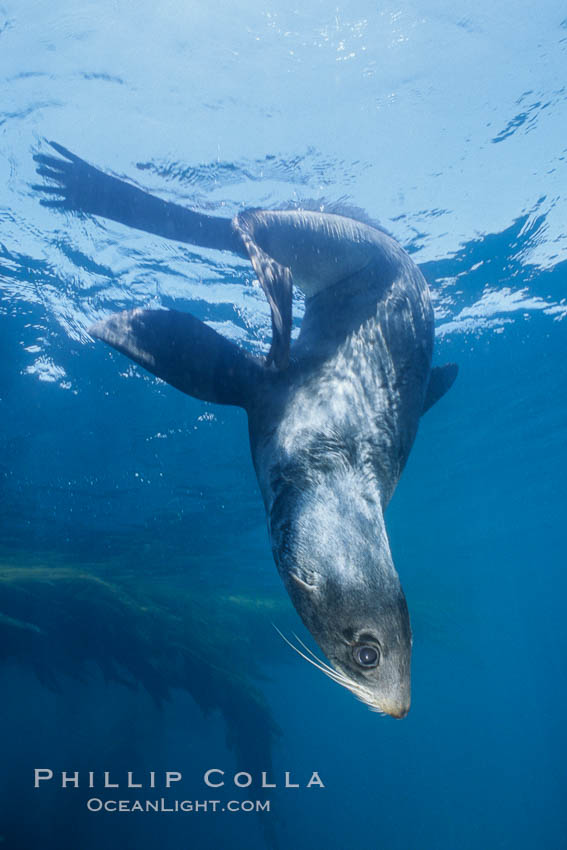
point(184, 352)
point(277, 283)
point(81, 187)
point(441, 379)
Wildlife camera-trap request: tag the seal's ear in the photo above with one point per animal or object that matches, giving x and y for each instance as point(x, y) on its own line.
point(184, 352)
point(441, 379)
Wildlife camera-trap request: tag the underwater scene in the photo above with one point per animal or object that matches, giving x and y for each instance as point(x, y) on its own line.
point(167, 594)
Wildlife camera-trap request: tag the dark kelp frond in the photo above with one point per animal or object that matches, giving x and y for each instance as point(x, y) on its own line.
point(60, 621)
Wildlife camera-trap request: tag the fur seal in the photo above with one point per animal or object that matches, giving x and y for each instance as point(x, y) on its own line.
point(332, 418)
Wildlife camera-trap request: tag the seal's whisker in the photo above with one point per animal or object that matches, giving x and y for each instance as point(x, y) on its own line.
point(337, 676)
point(316, 657)
point(357, 690)
point(332, 674)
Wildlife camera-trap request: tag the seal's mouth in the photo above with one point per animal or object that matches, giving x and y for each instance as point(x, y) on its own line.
point(391, 707)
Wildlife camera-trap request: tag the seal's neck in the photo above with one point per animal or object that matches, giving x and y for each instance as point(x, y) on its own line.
point(330, 515)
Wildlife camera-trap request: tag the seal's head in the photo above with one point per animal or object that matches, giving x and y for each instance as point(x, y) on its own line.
point(335, 560)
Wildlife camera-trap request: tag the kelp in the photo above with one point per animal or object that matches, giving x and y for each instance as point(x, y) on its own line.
point(63, 621)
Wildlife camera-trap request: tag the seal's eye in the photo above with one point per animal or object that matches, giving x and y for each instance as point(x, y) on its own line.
point(366, 656)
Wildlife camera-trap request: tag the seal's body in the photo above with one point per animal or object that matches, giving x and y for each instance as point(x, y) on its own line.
point(332, 418)
point(329, 444)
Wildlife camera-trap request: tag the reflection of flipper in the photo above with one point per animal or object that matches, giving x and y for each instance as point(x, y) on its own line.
point(185, 352)
point(84, 188)
point(276, 281)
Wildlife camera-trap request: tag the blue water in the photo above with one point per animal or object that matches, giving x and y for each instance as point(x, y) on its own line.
point(137, 587)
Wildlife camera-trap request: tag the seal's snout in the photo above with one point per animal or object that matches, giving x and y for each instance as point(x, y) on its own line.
point(397, 702)
point(397, 710)
point(397, 706)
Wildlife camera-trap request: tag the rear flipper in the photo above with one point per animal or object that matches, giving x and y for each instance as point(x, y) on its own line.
point(277, 283)
point(83, 188)
point(77, 186)
point(185, 353)
point(441, 379)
